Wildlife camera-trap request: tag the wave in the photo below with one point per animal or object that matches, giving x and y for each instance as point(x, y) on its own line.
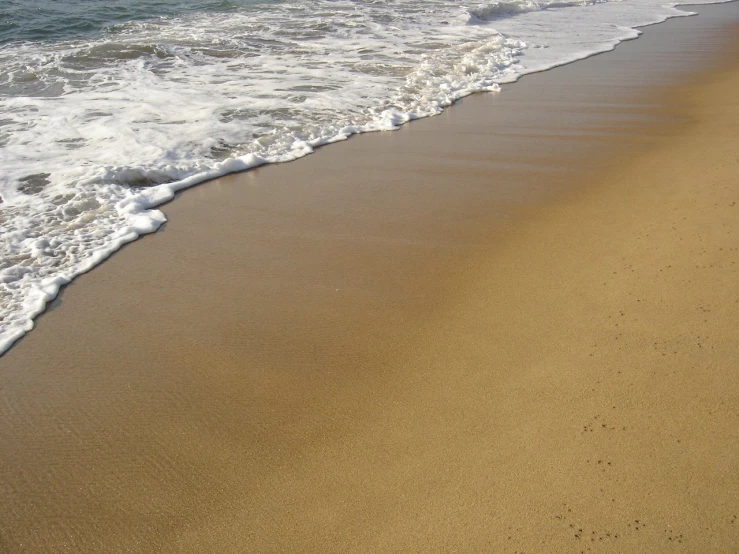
point(498, 10)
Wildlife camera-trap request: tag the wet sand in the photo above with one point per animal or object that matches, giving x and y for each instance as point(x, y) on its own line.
point(509, 328)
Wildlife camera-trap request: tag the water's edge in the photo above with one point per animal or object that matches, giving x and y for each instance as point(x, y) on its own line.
point(144, 218)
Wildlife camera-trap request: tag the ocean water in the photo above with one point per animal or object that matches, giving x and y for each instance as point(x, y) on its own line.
point(107, 109)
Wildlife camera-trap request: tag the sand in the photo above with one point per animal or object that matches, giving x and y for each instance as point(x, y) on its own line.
point(523, 340)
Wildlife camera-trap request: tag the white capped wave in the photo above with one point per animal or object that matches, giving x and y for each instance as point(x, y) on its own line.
point(508, 8)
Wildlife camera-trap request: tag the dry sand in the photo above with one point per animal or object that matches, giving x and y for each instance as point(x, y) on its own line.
point(523, 340)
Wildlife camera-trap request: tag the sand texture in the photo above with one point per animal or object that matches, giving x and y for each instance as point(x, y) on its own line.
point(510, 328)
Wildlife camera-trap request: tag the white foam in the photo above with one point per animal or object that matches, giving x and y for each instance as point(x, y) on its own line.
point(95, 134)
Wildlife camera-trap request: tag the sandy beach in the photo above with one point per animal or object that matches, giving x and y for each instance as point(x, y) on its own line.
point(522, 340)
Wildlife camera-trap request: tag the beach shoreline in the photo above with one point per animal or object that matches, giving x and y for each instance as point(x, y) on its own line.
point(130, 210)
point(519, 340)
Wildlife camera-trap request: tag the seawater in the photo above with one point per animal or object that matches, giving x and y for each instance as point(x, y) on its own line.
point(107, 109)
